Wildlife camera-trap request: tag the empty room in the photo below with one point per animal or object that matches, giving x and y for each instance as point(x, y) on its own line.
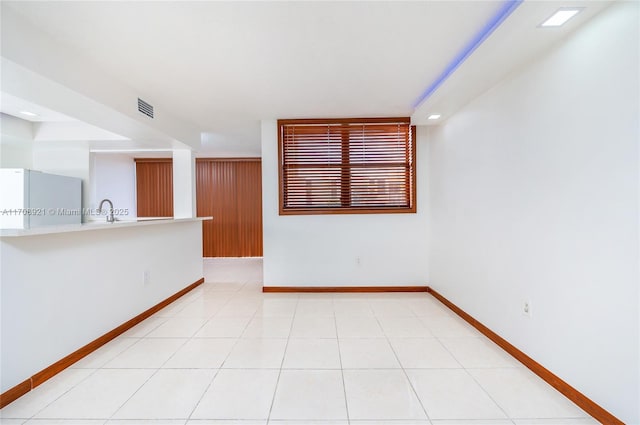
point(320, 212)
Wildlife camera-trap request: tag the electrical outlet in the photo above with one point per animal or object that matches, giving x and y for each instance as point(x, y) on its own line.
point(146, 277)
point(358, 261)
point(526, 308)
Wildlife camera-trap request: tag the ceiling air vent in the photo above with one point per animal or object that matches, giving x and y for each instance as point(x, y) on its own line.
point(145, 108)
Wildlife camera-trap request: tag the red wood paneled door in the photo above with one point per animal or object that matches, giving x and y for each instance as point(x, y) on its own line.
point(230, 190)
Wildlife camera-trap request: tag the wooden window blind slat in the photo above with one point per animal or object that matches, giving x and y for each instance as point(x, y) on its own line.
point(346, 166)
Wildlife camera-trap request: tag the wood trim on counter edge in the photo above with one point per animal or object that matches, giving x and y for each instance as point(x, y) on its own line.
point(345, 289)
point(24, 387)
point(582, 401)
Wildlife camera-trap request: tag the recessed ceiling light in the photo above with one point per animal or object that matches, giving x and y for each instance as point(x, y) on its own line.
point(560, 17)
point(29, 114)
point(434, 117)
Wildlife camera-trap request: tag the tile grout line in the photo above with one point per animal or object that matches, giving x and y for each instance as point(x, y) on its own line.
point(474, 379)
point(403, 369)
point(186, 340)
point(284, 355)
point(438, 338)
point(150, 377)
point(33, 417)
point(344, 385)
point(195, 407)
point(95, 370)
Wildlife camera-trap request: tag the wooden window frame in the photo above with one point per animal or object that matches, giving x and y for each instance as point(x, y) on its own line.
point(346, 192)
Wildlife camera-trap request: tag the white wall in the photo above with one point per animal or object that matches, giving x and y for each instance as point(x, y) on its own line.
point(323, 250)
point(85, 284)
point(184, 183)
point(16, 139)
point(15, 155)
point(534, 196)
point(113, 176)
point(67, 159)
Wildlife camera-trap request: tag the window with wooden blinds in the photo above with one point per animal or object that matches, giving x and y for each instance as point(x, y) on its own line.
point(341, 166)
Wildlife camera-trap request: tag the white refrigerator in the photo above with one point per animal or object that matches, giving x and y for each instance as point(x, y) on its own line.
point(30, 198)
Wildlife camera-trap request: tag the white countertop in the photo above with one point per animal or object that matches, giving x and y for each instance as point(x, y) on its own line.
point(94, 225)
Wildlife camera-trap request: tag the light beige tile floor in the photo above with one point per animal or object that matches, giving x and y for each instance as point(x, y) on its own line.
point(226, 353)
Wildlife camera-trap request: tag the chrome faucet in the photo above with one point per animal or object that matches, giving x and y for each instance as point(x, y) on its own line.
point(110, 218)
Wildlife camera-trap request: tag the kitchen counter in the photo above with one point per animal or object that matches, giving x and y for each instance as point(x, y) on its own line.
point(94, 225)
point(64, 286)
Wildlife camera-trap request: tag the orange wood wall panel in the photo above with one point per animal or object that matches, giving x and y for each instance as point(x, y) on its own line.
point(249, 186)
point(230, 190)
point(154, 187)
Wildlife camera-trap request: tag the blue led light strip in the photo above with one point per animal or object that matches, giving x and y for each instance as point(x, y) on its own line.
point(508, 7)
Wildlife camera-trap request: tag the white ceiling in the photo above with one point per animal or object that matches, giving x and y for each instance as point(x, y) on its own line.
point(227, 65)
point(17, 107)
point(515, 43)
point(48, 125)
